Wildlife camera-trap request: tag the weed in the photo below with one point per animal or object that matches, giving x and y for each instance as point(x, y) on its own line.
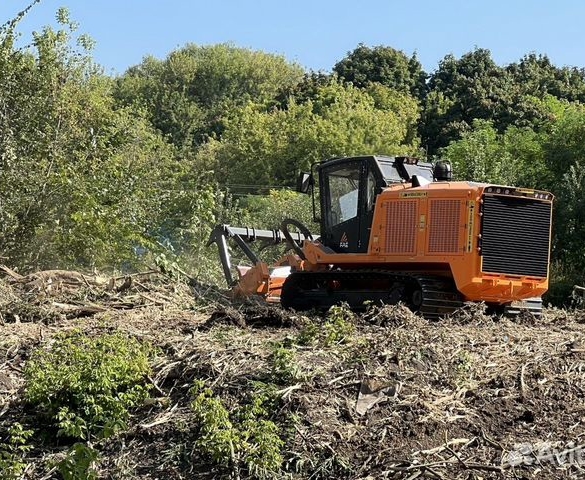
point(79, 463)
point(338, 327)
point(464, 368)
point(284, 368)
point(86, 386)
point(218, 437)
point(244, 438)
point(309, 334)
point(12, 452)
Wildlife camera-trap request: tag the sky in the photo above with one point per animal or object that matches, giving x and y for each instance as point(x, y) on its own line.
point(317, 34)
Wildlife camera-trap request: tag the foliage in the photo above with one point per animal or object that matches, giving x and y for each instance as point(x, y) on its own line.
point(271, 148)
point(338, 328)
point(244, 438)
point(516, 157)
point(12, 451)
point(480, 156)
point(79, 462)
point(474, 87)
point(570, 217)
point(187, 95)
point(85, 184)
point(383, 65)
point(537, 75)
point(183, 228)
point(268, 211)
point(465, 89)
point(285, 368)
point(86, 386)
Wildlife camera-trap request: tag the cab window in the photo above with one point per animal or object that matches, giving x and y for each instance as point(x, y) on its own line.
point(343, 193)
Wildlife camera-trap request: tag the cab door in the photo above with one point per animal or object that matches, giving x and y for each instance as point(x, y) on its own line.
point(347, 205)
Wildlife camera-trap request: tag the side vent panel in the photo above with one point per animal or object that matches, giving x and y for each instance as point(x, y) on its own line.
point(401, 227)
point(445, 227)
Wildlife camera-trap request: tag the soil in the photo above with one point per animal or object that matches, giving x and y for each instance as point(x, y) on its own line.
point(468, 397)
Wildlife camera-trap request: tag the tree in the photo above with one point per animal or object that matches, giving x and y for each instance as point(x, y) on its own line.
point(270, 148)
point(384, 65)
point(187, 95)
point(537, 76)
point(82, 182)
point(480, 156)
point(462, 90)
point(515, 157)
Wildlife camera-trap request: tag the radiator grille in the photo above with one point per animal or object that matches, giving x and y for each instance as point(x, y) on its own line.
point(445, 226)
point(515, 236)
point(401, 225)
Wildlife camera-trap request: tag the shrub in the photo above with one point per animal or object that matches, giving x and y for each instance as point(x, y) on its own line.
point(244, 438)
point(338, 327)
point(12, 452)
point(79, 463)
point(85, 385)
point(284, 368)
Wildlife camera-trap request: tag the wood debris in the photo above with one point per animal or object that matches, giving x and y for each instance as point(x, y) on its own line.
point(469, 397)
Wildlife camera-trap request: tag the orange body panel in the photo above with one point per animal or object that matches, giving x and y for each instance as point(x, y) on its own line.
point(433, 228)
point(264, 280)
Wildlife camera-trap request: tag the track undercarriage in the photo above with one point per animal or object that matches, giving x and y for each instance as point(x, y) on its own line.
point(432, 296)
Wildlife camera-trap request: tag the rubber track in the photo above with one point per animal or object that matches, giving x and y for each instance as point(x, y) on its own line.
point(307, 290)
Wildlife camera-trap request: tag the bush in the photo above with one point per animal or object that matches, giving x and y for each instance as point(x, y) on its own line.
point(85, 385)
point(284, 368)
point(79, 463)
point(12, 452)
point(242, 438)
point(338, 328)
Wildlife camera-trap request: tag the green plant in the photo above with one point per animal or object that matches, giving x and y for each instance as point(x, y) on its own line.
point(86, 386)
point(464, 369)
point(309, 333)
point(284, 368)
point(218, 437)
point(244, 438)
point(338, 327)
point(78, 463)
point(12, 452)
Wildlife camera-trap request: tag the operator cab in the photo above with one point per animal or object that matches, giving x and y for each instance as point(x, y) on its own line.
point(349, 187)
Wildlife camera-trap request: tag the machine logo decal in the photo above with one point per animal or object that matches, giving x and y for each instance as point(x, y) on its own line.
point(413, 194)
point(344, 242)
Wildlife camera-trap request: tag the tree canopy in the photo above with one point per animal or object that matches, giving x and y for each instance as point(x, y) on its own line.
point(109, 172)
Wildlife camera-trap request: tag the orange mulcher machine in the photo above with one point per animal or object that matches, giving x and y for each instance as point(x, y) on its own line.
point(395, 229)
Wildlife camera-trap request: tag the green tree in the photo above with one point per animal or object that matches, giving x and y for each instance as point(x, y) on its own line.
point(480, 156)
point(384, 65)
point(537, 76)
point(271, 148)
point(84, 182)
point(515, 157)
point(187, 95)
point(462, 90)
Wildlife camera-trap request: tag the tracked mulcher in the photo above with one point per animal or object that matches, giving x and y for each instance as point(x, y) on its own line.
point(395, 229)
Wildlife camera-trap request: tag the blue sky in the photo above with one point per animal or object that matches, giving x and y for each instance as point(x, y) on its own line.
point(317, 34)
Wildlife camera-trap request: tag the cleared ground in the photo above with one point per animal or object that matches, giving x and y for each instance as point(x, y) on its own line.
point(382, 395)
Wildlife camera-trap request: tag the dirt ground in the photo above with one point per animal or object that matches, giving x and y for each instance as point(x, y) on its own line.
point(468, 397)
